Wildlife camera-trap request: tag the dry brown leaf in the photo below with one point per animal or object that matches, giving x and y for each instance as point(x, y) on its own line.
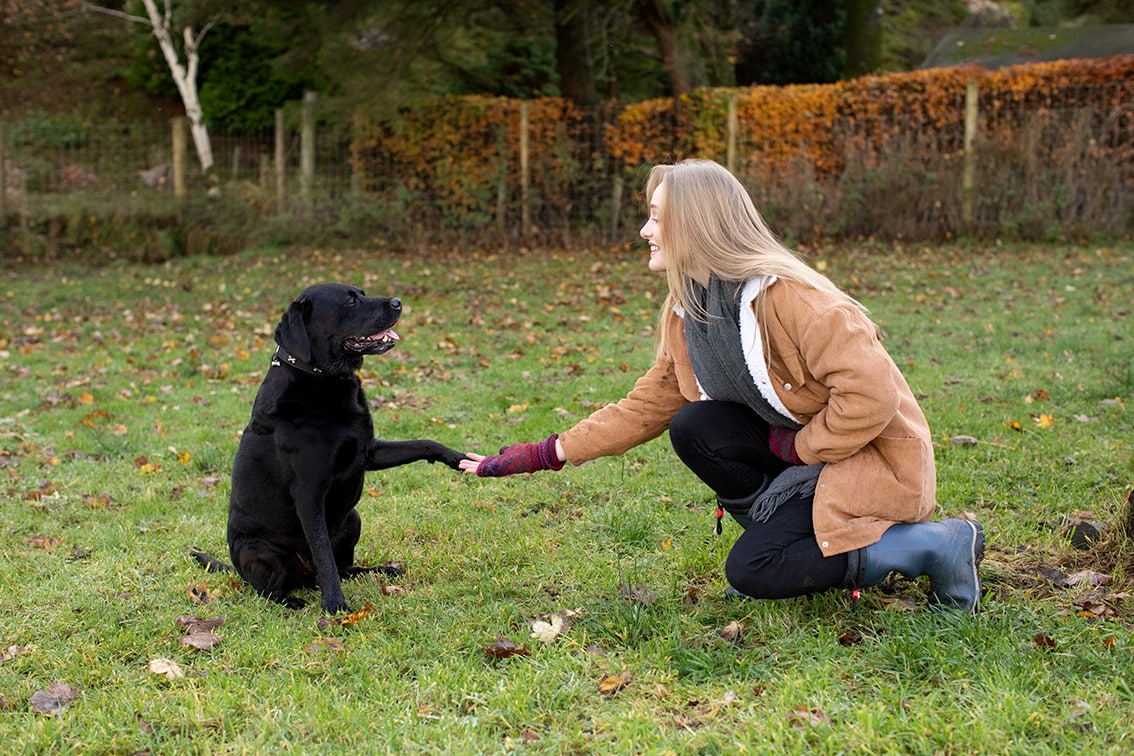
point(609, 685)
point(1086, 577)
point(44, 542)
point(325, 644)
point(803, 717)
point(200, 593)
point(350, 619)
point(167, 668)
point(503, 648)
point(732, 631)
point(638, 593)
point(13, 651)
point(202, 640)
point(54, 700)
point(555, 625)
point(196, 624)
point(899, 604)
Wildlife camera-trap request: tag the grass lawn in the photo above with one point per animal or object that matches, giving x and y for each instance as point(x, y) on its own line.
point(125, 387)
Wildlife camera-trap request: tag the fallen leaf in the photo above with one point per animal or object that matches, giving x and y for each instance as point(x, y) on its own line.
point(1044, 641)
point(899, 604)
point(963, 440)
point(200, 594)
point(202, 640)
point(639, 594)
point(196, 624)
point(99, 501)
point(609, 685)
point(803, 717)
point(325, 644)
point(166, 667)
point(54, 700)
point(1086, 577)
point(556, 624)
point(503, 648)
point(732, 631)
point(350, 619)
point(44, 542)
point(12, 652)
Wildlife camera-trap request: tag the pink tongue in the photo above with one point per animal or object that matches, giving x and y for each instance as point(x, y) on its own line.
point(391, 334)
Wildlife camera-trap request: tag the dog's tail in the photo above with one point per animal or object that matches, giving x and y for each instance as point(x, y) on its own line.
point(210, 563)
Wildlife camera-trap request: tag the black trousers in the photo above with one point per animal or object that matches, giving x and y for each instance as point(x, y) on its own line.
point(726, 446)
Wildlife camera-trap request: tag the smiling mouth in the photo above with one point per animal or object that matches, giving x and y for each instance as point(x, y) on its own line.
point(377, 343)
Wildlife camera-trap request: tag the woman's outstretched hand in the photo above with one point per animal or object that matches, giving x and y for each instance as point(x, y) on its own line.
point(518, 458)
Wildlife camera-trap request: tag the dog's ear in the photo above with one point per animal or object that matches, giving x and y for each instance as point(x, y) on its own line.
point(291, 333)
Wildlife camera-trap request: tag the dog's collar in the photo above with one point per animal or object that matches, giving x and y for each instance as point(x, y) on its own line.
point(281, 357)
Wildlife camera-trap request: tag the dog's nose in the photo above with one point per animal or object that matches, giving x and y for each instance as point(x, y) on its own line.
point(396, 303)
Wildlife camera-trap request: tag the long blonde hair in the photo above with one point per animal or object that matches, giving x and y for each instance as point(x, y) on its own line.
point(709, 224)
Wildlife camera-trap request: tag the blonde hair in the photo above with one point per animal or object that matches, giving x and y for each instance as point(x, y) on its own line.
point(708, 224)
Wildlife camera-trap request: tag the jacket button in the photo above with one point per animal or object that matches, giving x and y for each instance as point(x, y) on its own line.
point(825, 544)
point(787, 387)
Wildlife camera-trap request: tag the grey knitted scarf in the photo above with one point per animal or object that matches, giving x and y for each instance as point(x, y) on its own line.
point(717, 357)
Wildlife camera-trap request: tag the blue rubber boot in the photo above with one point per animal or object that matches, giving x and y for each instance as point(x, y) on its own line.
point(948, 551)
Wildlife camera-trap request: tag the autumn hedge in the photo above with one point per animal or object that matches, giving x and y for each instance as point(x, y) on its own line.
point(814, 155)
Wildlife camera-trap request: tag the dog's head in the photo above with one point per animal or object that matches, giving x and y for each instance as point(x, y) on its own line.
point(331, 327)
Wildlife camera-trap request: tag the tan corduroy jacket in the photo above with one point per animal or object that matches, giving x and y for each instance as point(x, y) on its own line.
point(830, 370)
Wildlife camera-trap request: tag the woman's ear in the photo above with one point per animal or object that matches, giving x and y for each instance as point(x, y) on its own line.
point(291, 333)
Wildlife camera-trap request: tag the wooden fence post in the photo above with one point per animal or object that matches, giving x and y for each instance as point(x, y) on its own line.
point(281, 168)
point(968, 173)
point(3, 178)
point(307, 148)
point(616, 205)
point(733, 127)
point(525, 208)
point(180, 158)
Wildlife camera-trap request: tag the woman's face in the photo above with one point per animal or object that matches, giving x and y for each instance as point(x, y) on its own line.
point(651, 231)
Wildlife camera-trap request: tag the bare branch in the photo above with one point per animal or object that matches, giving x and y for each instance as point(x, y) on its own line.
point(116, 13)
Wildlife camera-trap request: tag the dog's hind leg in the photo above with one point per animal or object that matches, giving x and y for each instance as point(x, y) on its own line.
point(343, 541)
point(273, 573)
point(210, 563)
point(386, 569)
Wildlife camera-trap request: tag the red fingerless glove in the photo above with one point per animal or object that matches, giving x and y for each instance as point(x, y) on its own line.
point(781, 442)
point(521, 458)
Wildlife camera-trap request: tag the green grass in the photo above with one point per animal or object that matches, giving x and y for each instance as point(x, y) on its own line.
point(125, 389)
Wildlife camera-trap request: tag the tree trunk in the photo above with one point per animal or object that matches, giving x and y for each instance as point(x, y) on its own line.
point(185, 77)
point(863, 37)
point(576, 79)
point(662, 26)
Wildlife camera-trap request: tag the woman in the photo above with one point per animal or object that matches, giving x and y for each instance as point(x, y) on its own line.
point(779, 395)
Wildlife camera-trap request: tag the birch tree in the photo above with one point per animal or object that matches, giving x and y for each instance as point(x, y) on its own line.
point(183, 64)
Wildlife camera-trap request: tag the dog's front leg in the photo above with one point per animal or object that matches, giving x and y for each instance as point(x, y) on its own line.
point(312, 512)
point(381, 455)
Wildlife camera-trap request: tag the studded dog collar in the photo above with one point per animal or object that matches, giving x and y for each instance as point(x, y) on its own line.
point(281, 357)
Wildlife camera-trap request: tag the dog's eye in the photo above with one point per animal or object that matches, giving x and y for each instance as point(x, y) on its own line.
point(352, 300)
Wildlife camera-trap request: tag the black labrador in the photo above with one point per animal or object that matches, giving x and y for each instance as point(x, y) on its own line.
point(298, 472)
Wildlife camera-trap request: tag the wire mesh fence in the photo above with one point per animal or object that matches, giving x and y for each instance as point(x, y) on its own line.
point(1050, 162)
